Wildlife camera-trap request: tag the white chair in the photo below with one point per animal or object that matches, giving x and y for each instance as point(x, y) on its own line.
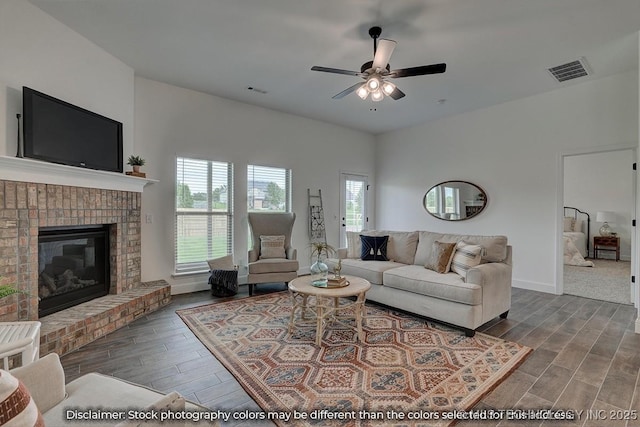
point(19, 337)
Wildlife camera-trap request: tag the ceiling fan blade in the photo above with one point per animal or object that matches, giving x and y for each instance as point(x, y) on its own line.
point(336, 71)
point(383, 53)
point(418, 71)
point(397, 94)
point(347, 91)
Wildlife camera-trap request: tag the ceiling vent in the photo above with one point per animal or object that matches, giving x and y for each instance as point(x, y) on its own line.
point(255, 89)
point(571, 70)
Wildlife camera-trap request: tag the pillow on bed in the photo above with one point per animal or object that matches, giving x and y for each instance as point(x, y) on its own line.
point(577, 225)
point(569, 223)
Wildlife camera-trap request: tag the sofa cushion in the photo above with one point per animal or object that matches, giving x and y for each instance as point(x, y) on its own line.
point(441, 257)
point(402, 246)
point(419, 280)
point(17, 408)
point(354, 247)
point(353, 244)
point(465, 257)
point(371, 271)
point(494, 247)
point(374, 248)
point(275, 265)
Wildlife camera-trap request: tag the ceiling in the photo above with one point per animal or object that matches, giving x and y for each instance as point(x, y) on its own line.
point(495, 50)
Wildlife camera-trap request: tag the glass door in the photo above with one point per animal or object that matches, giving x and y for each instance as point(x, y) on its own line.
point(353, 204)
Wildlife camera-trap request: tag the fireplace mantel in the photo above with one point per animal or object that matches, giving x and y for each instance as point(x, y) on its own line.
point(29, 170)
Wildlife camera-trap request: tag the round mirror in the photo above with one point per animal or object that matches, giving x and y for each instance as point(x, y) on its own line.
point(455, 200)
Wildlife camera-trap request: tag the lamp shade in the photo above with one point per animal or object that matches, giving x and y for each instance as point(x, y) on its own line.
point(605, 216)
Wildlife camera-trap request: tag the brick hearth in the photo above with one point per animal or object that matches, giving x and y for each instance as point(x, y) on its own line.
point(70, 329)
point(27, 206)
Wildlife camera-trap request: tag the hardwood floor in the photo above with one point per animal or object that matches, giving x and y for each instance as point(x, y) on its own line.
point(587, 357)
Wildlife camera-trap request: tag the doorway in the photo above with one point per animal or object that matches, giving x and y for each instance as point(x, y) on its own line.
point(354, 200)
point(601, 185)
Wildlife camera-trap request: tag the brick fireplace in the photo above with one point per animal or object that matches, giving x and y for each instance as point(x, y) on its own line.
point(27, 207)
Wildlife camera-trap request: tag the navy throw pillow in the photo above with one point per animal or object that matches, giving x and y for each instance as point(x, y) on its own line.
point(374, 248)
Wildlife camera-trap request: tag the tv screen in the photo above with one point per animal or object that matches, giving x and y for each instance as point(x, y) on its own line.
point(59, 132)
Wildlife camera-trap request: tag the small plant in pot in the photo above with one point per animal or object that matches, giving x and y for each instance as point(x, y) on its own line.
point(136, 162)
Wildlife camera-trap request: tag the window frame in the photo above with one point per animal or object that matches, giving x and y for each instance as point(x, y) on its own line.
point(192, 267)
point(252, 189)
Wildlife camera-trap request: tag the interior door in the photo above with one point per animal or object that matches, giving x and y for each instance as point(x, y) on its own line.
point(354, 191)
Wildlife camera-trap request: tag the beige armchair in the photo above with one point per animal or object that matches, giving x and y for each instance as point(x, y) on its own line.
point(264, 267)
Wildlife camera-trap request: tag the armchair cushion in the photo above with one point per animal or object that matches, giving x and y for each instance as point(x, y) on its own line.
point(274, 265)
point(272, 247)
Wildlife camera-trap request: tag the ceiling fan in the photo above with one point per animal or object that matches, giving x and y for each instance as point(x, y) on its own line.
point(377, 73)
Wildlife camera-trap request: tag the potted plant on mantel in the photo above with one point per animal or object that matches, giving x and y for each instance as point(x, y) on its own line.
point(136, 162)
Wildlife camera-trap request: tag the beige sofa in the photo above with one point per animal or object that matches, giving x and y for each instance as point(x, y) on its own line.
point(60, 403)
point(404, 283)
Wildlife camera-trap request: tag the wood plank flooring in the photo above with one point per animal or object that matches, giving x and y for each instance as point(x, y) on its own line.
point(587, 357)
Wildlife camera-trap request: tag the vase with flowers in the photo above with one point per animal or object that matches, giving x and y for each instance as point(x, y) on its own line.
point(319, 269)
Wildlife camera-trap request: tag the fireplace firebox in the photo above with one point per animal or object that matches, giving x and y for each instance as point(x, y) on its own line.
point(73, 266)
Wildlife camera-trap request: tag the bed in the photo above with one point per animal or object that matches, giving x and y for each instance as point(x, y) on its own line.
point(576, 236)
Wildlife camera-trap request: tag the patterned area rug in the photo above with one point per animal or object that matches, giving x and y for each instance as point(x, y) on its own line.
point(407, 365)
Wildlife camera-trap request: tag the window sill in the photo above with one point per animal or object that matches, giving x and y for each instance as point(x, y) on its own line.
point(190, 273)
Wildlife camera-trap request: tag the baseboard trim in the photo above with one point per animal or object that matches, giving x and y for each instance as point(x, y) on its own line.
point(534, 286)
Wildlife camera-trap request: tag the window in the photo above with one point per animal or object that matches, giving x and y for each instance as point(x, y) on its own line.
point(268, 189)
point(204, 212)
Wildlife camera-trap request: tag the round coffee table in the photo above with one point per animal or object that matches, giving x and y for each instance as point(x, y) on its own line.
point(327, 306)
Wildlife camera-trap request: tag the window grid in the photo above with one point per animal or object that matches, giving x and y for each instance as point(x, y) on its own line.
point(204, 213)
point(268, 189)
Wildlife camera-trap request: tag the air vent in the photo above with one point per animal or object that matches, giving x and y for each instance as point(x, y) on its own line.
point(571, 70)
point(255, 89)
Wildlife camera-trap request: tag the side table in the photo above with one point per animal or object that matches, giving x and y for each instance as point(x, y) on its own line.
point(607, 244)
point(19, 337)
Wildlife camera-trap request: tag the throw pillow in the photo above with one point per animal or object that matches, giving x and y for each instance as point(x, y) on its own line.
point(466, 256)
point(16, 405)
point(568, 223)
point(577, 225)
point(272, 247)
point(374, 248)
point(441, 257)
point(353, 244)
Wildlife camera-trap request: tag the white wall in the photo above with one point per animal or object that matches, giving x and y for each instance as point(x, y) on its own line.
point(511, 151)
point(172, 121)
point(39, 52)
point(602, 182)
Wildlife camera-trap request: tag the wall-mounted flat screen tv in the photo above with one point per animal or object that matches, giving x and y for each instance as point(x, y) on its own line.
point(59, 132)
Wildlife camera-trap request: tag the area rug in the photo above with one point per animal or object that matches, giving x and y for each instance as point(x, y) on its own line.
point(406, 368)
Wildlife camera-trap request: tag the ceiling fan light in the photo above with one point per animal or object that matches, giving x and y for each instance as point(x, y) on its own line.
point(377, 95)
point(388, 87)
point(373, 84)
point(362, 92)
